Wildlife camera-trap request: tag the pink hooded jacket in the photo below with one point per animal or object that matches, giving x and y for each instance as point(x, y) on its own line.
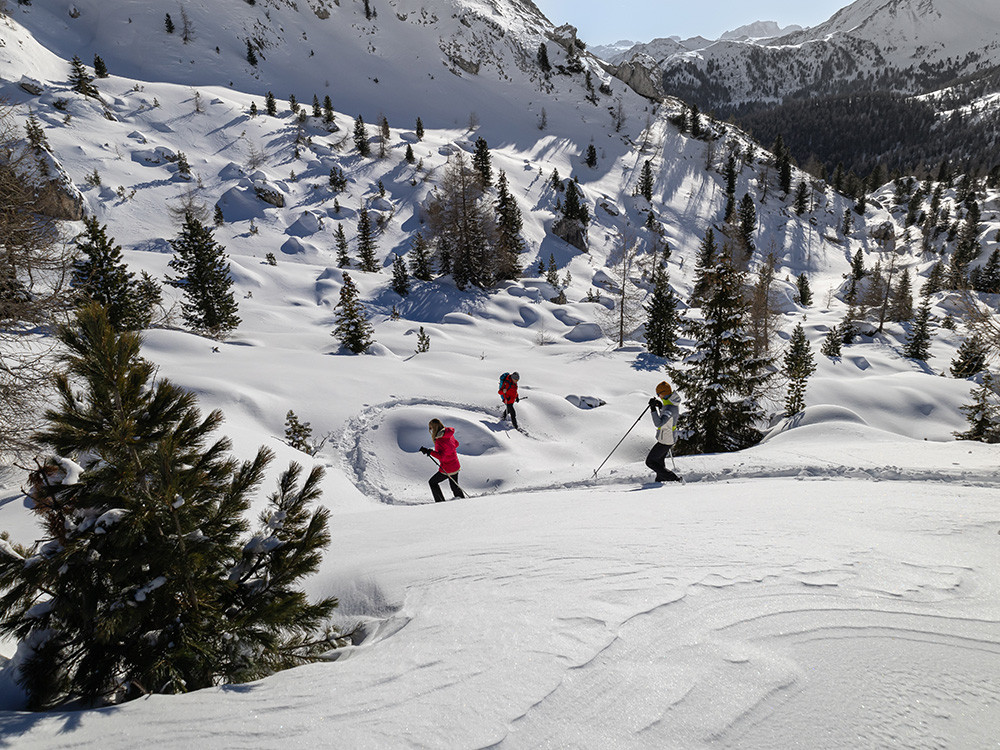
point(446, 451)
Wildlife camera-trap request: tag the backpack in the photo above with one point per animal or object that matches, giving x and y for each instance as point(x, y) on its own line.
point(503, 381)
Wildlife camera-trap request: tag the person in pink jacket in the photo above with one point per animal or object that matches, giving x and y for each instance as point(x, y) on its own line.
point(445, 451)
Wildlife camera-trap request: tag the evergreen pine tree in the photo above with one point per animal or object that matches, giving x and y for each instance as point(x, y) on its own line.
point(832, 342)
point(858, 265)
point(591, 158)
point(662, 318)
point(730, 175)
point(298, 434)
point(419, 130)
point(722, 381)
point(317, 109)
point(695, 122)
point(799, 364)
point(102, 276)
point(327, 110)
point(747, 214)
point(703, 277)
point(901, 302)
point(801, 198)
point(508, 245)
point(150, 580)
point(219, 218)
point(340, 241)
point(400, 277)
point(645, 188)
point(420, 258)
point(573, 208)
point(338, 180)
point(543, 58)
point(80, 80)
point(36, 133)
point(782, 164)
point(935, 280)
point(423, 341)
point(989, 275)
point(410, 158)
point(481, 163)
point(983, 414)
point(970, 359)
point(251, 54)
point(270, 105)
point(361, 137)
point(169, 24)
point(919, 339)
point(100, 69)
point(366, 243)
point(805, 293)
point(209, 305)
point(353, 329)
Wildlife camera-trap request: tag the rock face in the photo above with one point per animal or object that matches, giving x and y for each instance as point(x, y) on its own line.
point(572, 231)
point(56, 196)
point(564, 36)
point(884, 233)
point(270, 195)
point(640, 76)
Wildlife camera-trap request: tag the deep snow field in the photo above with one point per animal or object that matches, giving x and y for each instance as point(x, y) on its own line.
point(836, 586)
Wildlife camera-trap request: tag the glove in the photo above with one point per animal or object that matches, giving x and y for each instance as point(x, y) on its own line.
point(517, 398)
point(654, 403)
point(425, 451)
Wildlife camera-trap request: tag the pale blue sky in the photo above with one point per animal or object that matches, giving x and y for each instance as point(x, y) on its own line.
point(606, 21)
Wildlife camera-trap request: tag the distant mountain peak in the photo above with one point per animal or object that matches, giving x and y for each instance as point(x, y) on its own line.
point(759, 30)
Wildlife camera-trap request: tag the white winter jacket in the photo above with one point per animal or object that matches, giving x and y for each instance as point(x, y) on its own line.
point(665, 420)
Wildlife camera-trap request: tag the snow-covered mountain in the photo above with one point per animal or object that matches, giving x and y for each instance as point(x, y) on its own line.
point(759, 30)
point(912, 46)
point(557, 607)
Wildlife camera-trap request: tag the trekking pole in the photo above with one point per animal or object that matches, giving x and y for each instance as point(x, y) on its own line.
point(672, 462)
point(622, 440)
point(450, 478)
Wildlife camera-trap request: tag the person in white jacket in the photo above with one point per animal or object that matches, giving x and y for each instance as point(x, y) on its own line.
point(665, 413)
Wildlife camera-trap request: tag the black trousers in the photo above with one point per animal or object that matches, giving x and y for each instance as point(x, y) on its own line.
point(435, 482)
point(656, 460)
point(509, 412)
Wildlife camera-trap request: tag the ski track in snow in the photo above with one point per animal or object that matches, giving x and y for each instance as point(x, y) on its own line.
point(367, 471)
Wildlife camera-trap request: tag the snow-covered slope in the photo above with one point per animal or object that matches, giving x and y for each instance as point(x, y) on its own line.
point(555, 607)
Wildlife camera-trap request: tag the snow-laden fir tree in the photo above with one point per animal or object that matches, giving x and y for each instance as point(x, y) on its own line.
point(591, 158)
point(805, 293)
point(420, 258)
point(100, 68)
point(353, 330)
point(482, 162)
point(798, 365)
point(707, 251)
point(209, 305)
point(970, 359)
point(101, 275)
point(901, 301)
point(298, 434)
point(722, 382)
point(662, 318)
point(361, 137)
point(508, 244)
point(270, 104)
point(918, 342)
point(80, 80)
point(645, 187)
point(419, 130)
point(983, 414)
point(400, 277)
point(366, 243)
point(833, 342)
point(746, 212)
point(147, 580)
point(340, 242)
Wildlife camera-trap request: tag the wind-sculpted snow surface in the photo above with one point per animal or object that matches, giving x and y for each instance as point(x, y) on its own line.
point(766, 613)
